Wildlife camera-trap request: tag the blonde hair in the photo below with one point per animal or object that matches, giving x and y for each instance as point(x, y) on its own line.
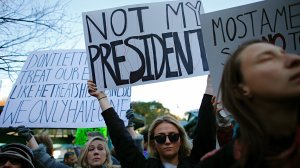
point(83, 155)
point(185, 147)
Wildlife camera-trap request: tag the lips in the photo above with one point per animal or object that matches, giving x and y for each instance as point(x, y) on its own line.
point(97, 159)
point(168, 148)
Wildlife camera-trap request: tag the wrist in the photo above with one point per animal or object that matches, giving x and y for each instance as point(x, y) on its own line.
point(130, 124)
point(102, 95)
point(29, 137)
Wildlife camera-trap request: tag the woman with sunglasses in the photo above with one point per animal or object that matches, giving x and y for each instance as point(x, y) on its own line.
point(169, 146)
point(168, 142)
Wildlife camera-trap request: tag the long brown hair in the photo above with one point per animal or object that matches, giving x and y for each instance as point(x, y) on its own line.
point(233, 99)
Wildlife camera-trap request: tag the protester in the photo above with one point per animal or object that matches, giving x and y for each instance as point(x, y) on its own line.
point(96, 154)
point(15, 155)
point(41, 158)
point(90, 135)
point(260, 86)
point(47, 141)
point(205, 133)
point(224, 123)
point(222, 155)
point(137, 138)
point(145, 142)
point(168, 141)
point(70, 159)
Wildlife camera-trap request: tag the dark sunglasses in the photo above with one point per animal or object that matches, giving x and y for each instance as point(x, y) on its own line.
point(13, 161)
point(161, 139)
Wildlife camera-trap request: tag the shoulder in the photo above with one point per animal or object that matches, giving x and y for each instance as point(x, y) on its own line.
point(185, 162)
point(153, 163)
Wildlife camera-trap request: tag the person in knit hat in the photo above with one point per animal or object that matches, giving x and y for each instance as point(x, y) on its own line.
point(15, 155)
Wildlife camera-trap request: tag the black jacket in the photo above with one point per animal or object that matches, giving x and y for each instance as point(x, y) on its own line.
point(131, 157)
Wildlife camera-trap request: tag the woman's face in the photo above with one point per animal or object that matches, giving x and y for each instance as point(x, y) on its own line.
point(96, 153)
point(269, 72)
point(168, 149)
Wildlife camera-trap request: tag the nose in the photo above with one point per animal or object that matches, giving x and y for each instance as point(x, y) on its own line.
point(96, 151)
point(167, 140)
point(7, 164)
point(292, 60)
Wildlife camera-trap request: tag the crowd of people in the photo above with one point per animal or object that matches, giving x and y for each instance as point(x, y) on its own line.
point(260, 89)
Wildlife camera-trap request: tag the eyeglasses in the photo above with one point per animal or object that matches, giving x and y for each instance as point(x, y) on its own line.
point(13, 161)
point(161, 139)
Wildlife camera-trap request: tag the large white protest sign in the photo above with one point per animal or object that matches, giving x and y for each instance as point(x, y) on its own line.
point(146, 43)
point(51, 92)
point(277, 22)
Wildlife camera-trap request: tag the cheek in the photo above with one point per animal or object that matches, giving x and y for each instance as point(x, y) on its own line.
point(89, 158)
point(257, 73)
point(178, 143)
point(158, 147)
point(89, 154)
point(261, 77)
point(103, 156)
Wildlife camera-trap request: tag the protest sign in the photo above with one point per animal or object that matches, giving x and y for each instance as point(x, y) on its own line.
point(51, 92)
point(277, 22)
point(146, 43)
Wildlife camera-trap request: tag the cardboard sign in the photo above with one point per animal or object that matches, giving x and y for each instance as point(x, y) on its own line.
point(51, 92)
point(277, 22)
point(146, 43)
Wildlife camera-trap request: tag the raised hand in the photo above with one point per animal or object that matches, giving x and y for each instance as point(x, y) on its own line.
point(93, 91)
point(217, 105)
point(100, 95)
point(130, 116)
point(24, 132)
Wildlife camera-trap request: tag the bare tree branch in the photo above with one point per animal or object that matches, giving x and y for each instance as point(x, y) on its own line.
point(31, 25)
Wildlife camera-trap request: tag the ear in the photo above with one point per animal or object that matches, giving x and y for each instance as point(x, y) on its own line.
point(245, 90)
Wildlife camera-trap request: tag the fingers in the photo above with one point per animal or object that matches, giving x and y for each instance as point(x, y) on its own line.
point(217, 105)
point(90, 83)
point(21, 127)
point(129, 114)
point(91, 86)
point(92, 89)
point(213, 100)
